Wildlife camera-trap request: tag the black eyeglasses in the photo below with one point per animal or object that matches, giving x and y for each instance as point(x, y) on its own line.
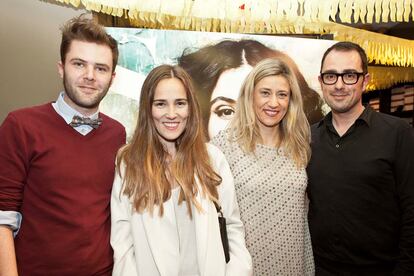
point(347, 78)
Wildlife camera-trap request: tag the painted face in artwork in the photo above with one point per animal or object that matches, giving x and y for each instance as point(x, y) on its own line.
point(224, 98)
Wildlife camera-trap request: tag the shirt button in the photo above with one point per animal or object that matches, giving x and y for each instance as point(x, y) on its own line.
point(337, 145)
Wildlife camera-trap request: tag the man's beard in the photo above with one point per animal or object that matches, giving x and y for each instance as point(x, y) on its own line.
point(74, 95)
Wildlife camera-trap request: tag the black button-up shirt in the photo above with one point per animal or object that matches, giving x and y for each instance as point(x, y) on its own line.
point(361, 191)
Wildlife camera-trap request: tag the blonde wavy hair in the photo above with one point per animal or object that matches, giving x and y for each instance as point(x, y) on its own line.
point(294, 130)
point(148, 169)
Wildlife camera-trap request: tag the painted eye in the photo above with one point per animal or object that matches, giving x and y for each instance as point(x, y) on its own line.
point(225, 112)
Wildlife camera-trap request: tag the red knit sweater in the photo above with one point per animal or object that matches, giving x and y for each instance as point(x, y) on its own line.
point(60, 181)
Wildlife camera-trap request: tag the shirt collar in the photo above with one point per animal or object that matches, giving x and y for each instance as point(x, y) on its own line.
point(366, 116)
point(66, 111)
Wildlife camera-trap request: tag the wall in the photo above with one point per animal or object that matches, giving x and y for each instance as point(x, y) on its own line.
point(29, 52)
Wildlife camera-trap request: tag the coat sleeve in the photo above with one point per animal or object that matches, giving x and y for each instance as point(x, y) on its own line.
point(240, 260)
point(121, 235)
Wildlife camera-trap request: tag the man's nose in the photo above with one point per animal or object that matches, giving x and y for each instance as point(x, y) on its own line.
point(90, 72)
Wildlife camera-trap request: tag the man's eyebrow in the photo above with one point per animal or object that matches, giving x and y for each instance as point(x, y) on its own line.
point(78, 59)
point(350, 71)
point(229, 100)
point(344, 71)
point(85, 61)
point(102, 64)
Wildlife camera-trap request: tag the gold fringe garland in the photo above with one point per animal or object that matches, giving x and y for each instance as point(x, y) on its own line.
point(273, 17)
point(384, 77)
point(364, 11)
point(380, 49)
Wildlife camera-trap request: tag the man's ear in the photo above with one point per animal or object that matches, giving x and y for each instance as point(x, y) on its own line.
point(367, 78)
point(320, 81)
point(112, 78)
point(60, 69)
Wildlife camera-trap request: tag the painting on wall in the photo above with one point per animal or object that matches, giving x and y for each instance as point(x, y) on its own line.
point(217, 63)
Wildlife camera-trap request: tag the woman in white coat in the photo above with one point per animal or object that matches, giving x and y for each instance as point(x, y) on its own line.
point(164, 219)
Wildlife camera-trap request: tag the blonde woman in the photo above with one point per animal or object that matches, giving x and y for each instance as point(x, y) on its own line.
point(164, 220)
point(267, 147)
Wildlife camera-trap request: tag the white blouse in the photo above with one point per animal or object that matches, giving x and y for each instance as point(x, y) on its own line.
point(186, 236)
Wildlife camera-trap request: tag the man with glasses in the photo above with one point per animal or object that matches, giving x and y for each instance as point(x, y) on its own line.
point(360, 177)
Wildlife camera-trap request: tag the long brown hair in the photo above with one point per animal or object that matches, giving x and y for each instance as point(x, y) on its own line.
point(143, 161)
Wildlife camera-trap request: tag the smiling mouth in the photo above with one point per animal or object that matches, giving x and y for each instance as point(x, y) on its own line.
point(88, 88)
point(270, 113)
point(171, 125)
point(339, 95)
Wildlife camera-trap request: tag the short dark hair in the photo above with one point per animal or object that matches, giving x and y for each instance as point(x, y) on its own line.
point(347, 46)
point(84, 29)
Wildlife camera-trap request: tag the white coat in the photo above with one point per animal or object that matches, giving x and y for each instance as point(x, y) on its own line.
point(148, 245)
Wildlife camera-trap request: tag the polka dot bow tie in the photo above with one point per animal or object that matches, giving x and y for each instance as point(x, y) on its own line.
point(78, 121)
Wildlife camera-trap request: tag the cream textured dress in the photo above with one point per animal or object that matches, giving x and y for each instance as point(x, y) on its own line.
point(273, 207)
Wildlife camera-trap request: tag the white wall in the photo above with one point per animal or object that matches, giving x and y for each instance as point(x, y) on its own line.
point(29, 52)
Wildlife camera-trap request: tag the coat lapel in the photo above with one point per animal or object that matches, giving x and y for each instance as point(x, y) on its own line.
point(163, 239)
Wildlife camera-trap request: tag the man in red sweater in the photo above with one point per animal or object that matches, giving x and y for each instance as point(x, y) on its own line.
point(57, 167)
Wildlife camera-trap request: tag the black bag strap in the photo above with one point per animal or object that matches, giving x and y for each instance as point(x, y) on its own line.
point(223, 232)
point(218, 208)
